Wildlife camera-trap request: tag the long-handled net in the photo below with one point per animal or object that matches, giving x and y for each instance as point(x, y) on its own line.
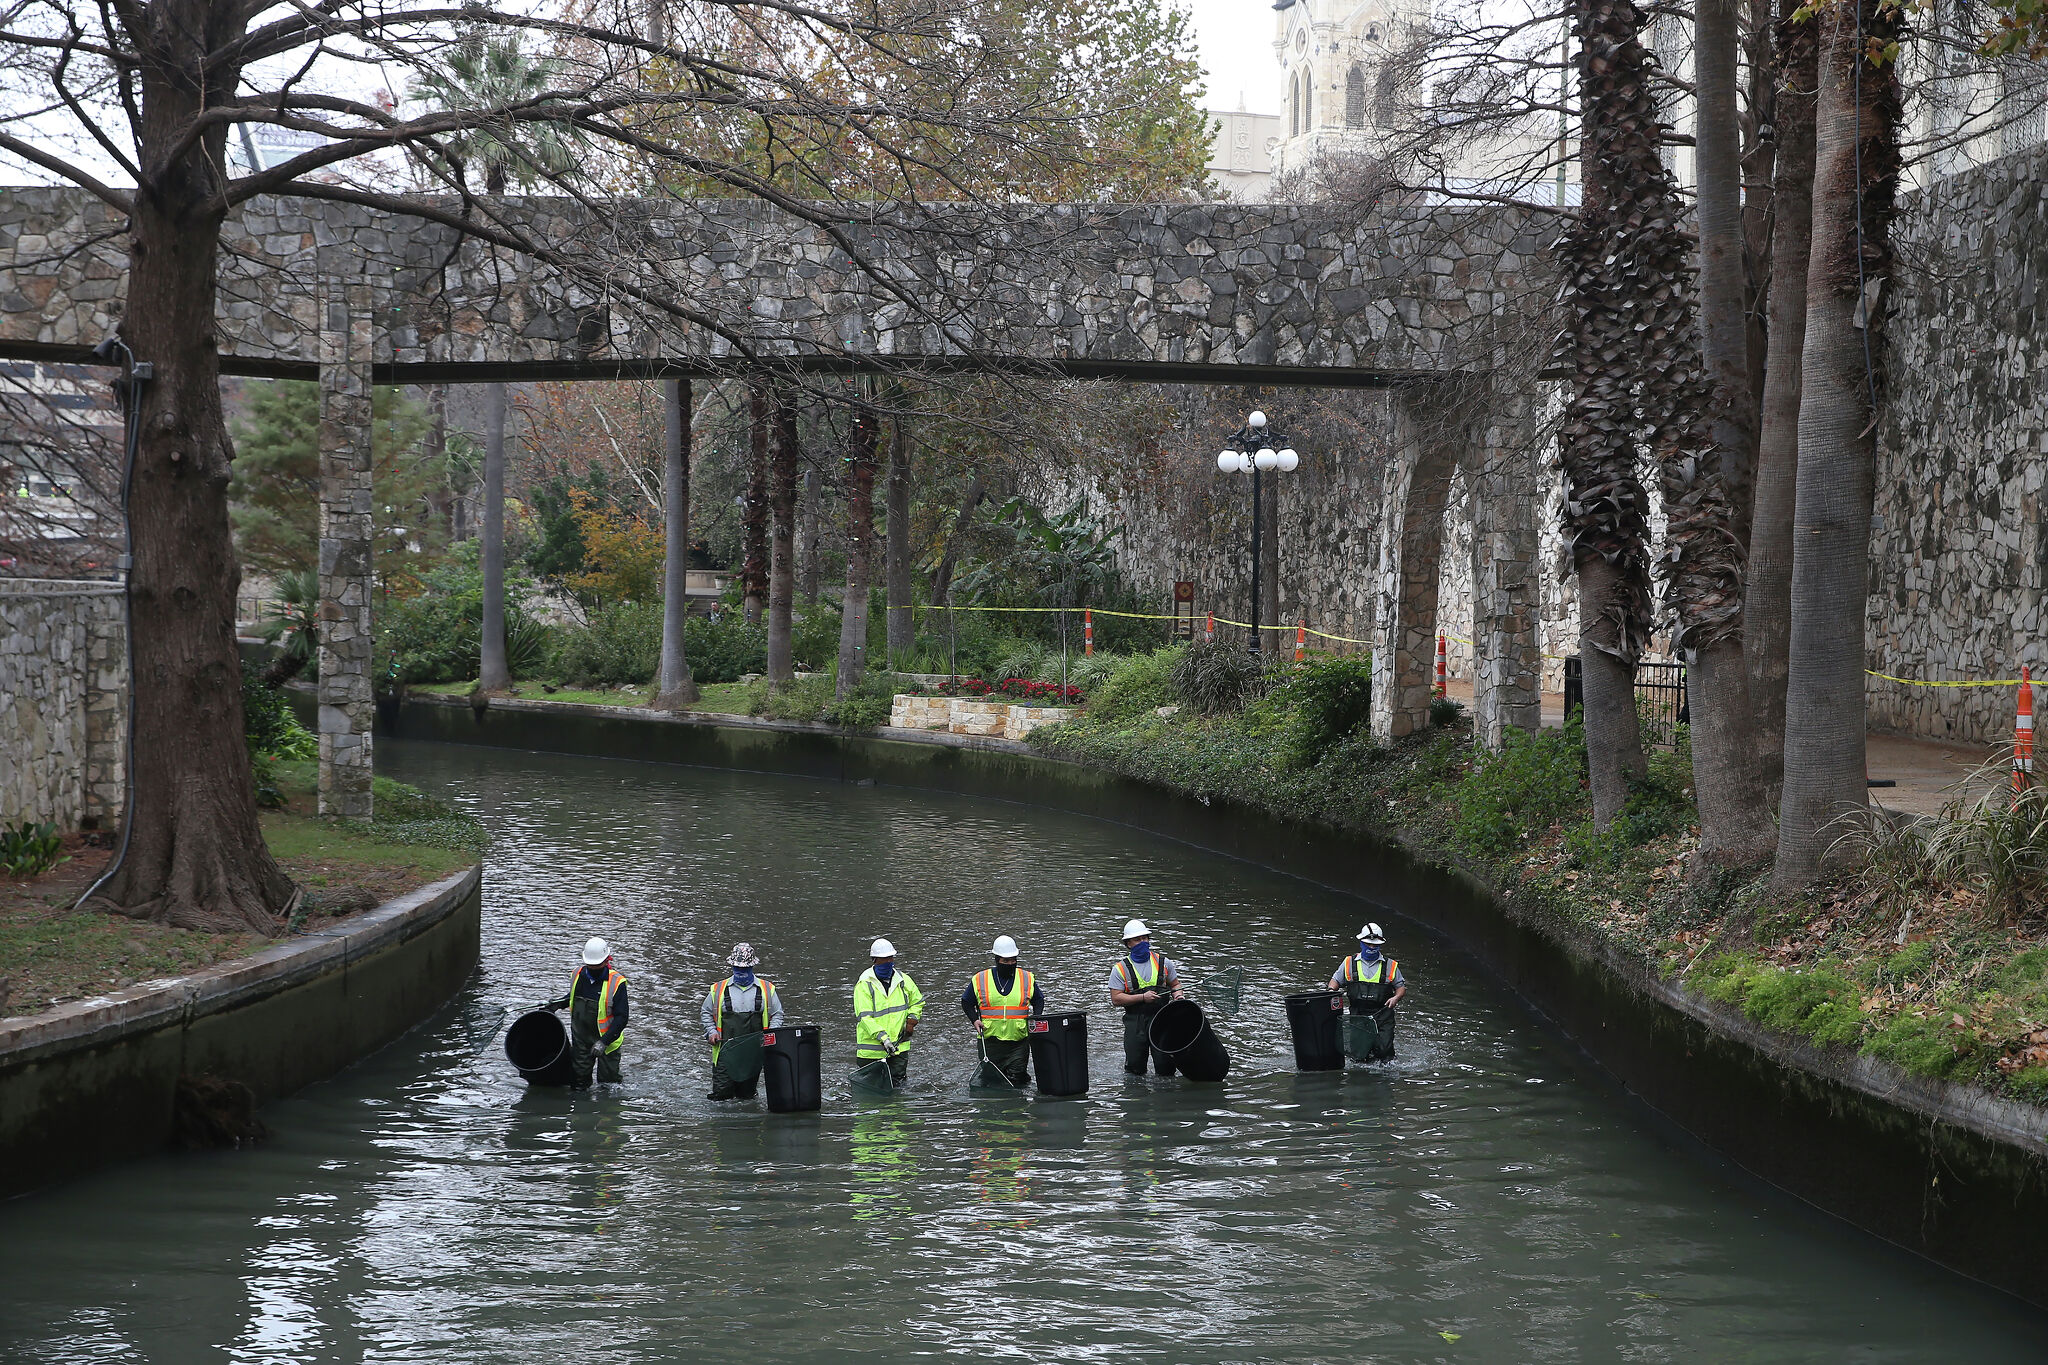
point(873, 1078)
point(987, 1075)
point(1221, 991)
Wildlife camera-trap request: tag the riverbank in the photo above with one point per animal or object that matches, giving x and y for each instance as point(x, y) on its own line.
point(51, 955)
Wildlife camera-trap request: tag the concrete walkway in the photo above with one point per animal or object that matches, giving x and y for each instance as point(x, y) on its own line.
point(1927, 771)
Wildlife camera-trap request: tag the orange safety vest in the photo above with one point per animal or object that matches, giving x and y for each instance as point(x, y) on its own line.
point(1004, 1013)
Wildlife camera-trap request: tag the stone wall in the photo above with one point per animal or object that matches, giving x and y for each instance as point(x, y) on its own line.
point(1958, 557)
point(63, 702)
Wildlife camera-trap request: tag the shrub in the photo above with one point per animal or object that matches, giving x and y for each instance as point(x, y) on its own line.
point(269, 724)
point(813, 639)
point(725, 650)
point(1213, 678)
point(1533, 781)
point(803, 699)
point(1328, 698)
point(866, 707)
point(1443, 712)
point(621, 643)
point(1997, 838)
point(1091, 671)
point(1140, 683)
point(435, 635)
point(1026, 659)
point(29, 849)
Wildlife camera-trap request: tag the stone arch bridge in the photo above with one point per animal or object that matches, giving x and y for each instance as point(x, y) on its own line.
point(1438, 306)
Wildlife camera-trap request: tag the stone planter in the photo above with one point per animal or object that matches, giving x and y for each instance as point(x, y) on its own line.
point(921, 713)
point(972, 716)
point(1024, 719)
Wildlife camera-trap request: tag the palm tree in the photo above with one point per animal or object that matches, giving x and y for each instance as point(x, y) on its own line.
point(495, 75)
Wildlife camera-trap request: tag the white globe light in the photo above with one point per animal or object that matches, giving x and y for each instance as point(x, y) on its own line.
point(1257, 421)
point(1266, 459)
point(1288, 460)
point(1227, 462)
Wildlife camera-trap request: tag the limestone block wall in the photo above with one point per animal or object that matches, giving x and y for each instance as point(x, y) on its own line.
point(63, 702)
point(971, 716)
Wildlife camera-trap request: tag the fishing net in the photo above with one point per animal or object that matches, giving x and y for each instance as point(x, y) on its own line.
point(1221, 991)
point(874, 1078)
point(741, 1058)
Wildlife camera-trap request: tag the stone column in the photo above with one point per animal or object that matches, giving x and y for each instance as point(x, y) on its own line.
point(1411, 544)
point(346, 705)
point(1506, 501)
point(106, 713)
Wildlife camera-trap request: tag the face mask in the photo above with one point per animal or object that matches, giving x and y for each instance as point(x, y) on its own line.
point(743, 977)
point(1369, 951)
point(1141, 951)
point(885, 972)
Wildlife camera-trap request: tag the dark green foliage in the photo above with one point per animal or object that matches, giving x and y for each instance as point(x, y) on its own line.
point(814, 638)
point(407, 815)
point(435, 636)
point(866, 707)
point(1213, 678)
point(1444, 712)
point(1141, 683)
point(621, 643)
point(1533, 782)
point(270, 725)
point(1329, 698)
point(557, 551)
point(29, 849)
point(724, 650)
point(1658, 804)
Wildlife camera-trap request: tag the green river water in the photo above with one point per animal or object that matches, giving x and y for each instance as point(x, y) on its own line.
point(1489, 1197)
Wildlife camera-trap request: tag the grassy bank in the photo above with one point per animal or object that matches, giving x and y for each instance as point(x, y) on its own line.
point(50, 954)
point(1934, 960)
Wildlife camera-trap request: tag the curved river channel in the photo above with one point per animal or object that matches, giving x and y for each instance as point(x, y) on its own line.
point(1487, 1198)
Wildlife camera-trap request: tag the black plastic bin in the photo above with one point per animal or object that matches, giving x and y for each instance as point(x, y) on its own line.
point(538, 1044)
point(1182, 1032)
point(1059, 1052)
point(1316, 1021)
point(789, 1063)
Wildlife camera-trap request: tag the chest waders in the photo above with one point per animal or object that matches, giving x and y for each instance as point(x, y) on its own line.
point(590, 1012)
point(1005, 1016)
point(1138, 1018)
point(736, 1070)
point(1369, 1029)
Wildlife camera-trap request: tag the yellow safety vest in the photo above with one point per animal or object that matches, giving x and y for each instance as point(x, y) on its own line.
point(1004, 1012)
point(879, 1013)
point(1383, 970)
point(718, 1010)
point(604, 1004)
point(1136, 978)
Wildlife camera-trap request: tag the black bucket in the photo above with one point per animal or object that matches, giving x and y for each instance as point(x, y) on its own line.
point(1059, 1052)
point(538, 1045)
point(789, 1063)
point(1316, 1020)
point(1182, 1032)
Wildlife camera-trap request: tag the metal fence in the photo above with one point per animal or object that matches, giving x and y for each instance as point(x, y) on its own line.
point(1661, 702)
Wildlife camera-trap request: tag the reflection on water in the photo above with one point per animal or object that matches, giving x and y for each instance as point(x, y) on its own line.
point(426, 1207)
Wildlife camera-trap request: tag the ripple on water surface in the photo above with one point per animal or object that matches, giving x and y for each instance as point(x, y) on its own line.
point(1485, 1198)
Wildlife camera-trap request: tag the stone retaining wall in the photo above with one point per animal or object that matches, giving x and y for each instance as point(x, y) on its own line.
point(971, 716)
point(93, 1082)
point(63, 701)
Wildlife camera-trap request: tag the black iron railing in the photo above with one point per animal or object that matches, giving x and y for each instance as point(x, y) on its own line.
point(1661, 702)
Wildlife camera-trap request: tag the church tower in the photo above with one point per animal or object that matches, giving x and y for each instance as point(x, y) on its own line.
point(1338, 88)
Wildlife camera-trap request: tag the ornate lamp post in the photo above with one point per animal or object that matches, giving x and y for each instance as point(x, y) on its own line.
point(1251, 452)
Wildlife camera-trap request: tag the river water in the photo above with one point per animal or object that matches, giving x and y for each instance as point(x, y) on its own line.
point(1488, 1197)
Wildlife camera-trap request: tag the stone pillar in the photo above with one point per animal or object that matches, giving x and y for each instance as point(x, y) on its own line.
point(347, 707)
point(1411, 543)
point(1506, 502)
point(106, 713)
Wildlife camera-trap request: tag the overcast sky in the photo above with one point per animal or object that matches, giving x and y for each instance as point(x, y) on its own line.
point(1236, 39)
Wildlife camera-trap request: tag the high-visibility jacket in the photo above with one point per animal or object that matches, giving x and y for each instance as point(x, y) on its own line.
point(1355, 968)
point(880, 1012)
point(604, 1005)
point(1003, 1013)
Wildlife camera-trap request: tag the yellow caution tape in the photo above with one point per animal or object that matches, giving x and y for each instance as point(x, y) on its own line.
point(1915, 682)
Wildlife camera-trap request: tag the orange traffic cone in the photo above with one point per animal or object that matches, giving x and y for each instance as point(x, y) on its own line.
point(1301, 639)
point(1087, 632)
point(2023, 735)
point(1442, 666)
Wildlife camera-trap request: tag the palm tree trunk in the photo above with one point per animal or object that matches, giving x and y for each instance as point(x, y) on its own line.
point(902, 632)
point(492, 673)
point(1768, 611)
point(860, 553)
point(781, 545)
point(942, 576)
point(1855, 184)
point(810, 549)
point(754, 522)
point(674, 687)
point(1614, 732)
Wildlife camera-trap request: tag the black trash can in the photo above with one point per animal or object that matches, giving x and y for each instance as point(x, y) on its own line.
point(538, 1044)
point(1182, 1032)
point(1316, 1020)
point(1059, 1052)
point(789, 1063)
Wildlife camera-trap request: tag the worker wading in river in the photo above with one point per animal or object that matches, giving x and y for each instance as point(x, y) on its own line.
point(1001, 1000)
point(597, 1016)
point(886, 1007)
point(742, 1004)
point(1373, 983)
point(1140, 983)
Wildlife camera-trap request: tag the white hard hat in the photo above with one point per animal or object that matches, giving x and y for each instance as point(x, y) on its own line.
point(1371, 933)
point(595, 952)
point(881, 947)
point(1136, 929)
point(1004, 946)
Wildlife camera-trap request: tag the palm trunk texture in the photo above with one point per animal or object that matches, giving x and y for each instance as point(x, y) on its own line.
point(860, 553)
point(1855, 186)
point(781, 545)
point(674, 687)
point(492, 673)
point(942, 576)
point(1768, 611)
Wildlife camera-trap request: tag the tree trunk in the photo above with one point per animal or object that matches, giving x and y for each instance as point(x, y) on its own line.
point(754, 524)
point(1855, 183)
point(942, 576)
point(860, 552)
point(194, 854)
point(674, 688)
point(1614, 732)
point(902, 619)
point(781, 545)
point(1768, 612)
point(1269, 566)
point(810, 547)
point(1706, 453)
point(492, 673)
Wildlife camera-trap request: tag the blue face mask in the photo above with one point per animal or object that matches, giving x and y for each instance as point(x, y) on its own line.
point(1369, 951)
point(743, 977)
point(885, 972)
point(1141, 951)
